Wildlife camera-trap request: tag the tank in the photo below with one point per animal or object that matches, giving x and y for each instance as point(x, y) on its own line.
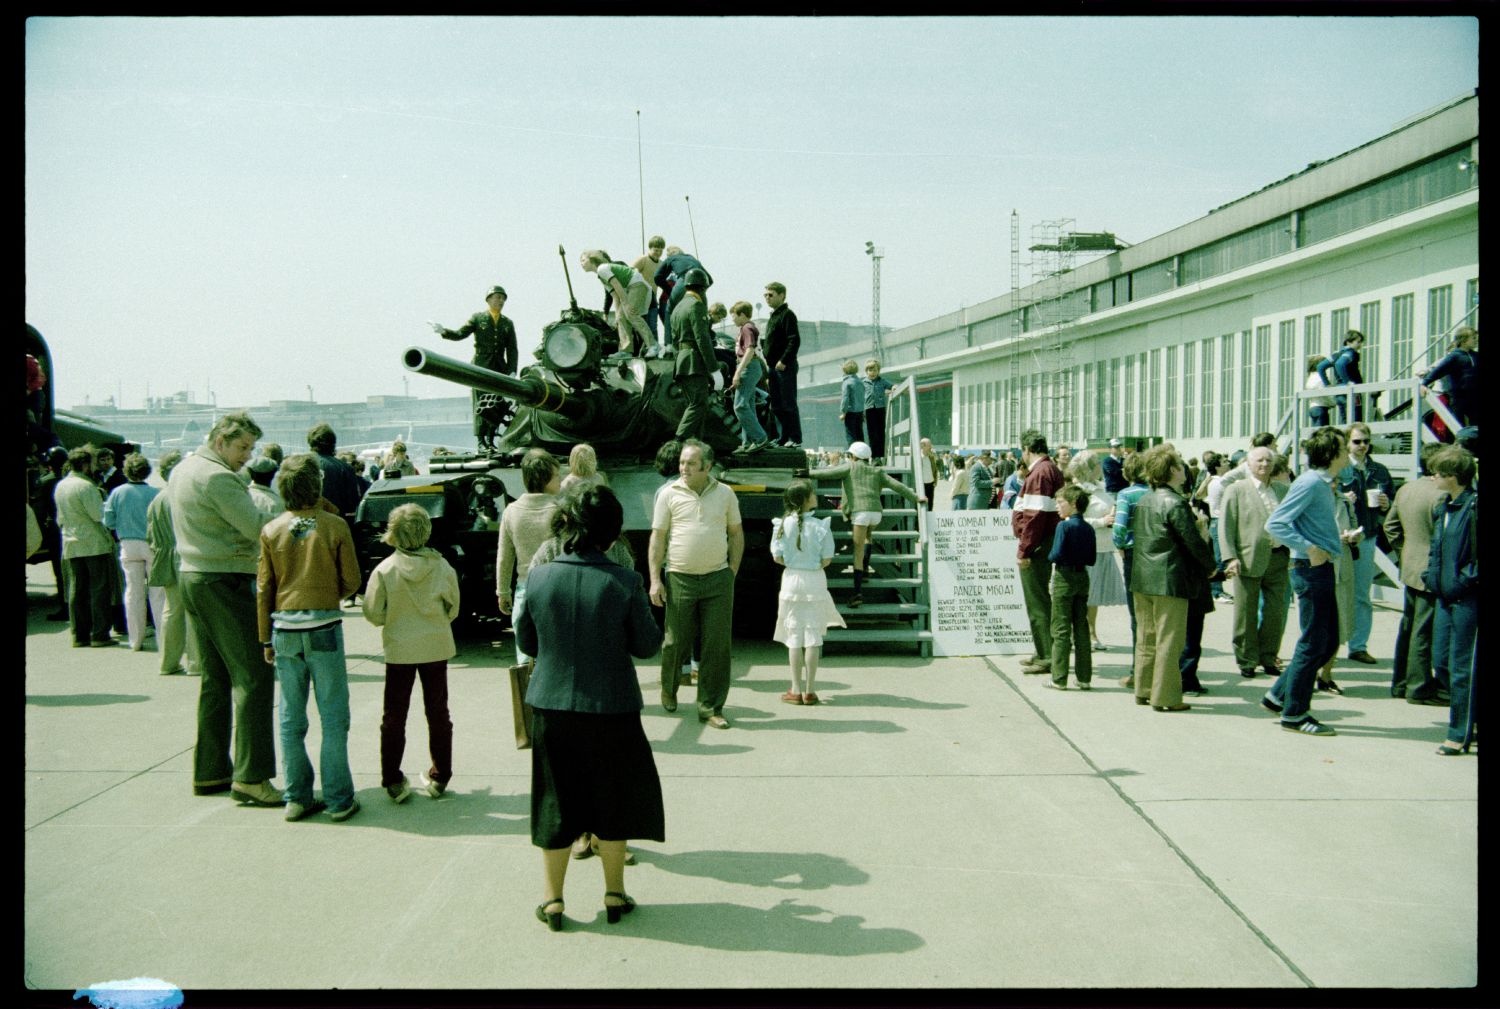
point(626, 407)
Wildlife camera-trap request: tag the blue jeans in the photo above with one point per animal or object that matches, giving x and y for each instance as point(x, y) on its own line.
point(1318, 617)
point(1216, 588)
point(961, 502)
point(316, 656)
point(1364, 575)
point(1455, 642)
point(653, 311)
point(744, 402)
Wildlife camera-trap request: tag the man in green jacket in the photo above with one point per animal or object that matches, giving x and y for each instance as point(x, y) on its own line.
point(695, 362)
point(495, 349)
point(217, 529)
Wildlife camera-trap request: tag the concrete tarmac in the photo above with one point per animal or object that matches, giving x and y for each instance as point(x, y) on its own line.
point(942, 823)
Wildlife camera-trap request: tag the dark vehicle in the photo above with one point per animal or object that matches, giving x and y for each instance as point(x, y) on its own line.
point(47, 426)
point(463, 505)
point(626, 408)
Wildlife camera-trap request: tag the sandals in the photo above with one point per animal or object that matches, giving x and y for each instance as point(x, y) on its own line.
point(792, 697)
point(552, 920)
point(613, 912)
point(810, 699)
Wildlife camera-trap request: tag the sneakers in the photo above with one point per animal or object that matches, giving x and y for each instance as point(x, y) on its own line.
point(179, 671)
point(340, 815)
point(1309, 727)
point(259, 794)
point(298, 810)
point(435, 788)
point(400, 791)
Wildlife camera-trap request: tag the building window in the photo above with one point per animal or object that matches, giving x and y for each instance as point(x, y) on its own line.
point(1122, 289)
point(1140, 394)
point(1262, 379)
point(1112, 399)
point(1369, 324)
point(1189, 359)
point(1153, 279)
point(1226, 386)
point(1439, 318)
point(1433, 180)
point(1471, 303)
point(1312, 334)
point(1207, 407)
point(1338, 326)
point(1090, 407)
point(1402, 309)
point(1130, 396)
point(1154, 422)
point(1247, 382)
point(1170, 406)
point(1228, 254)
point(1287, 359)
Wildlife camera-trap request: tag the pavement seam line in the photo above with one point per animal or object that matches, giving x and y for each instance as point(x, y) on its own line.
point(1139, 811)
point(109, 788)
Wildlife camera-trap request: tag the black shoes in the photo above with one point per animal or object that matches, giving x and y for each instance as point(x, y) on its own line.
point(1308, 727)
point(1363, 656)
point(613, 912)
point(1328, 686)
point(552, 920)
point(1270, 705)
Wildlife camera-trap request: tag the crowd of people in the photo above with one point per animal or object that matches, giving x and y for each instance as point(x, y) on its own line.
point(244, 564)
point(1170, 538)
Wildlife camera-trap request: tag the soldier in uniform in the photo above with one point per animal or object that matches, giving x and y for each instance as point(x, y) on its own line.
point(695, 363)
point(495, 349)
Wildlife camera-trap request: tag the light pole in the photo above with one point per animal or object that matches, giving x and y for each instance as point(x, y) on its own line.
point(875, 257)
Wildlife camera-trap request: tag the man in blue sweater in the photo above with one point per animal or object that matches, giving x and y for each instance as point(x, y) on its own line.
point(1305, 523)
point(1453, 576)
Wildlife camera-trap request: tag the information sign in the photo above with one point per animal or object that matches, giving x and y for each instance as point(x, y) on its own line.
point(975, 586)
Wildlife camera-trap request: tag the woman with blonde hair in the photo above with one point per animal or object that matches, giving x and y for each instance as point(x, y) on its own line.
point(1106, 584)
point(583, 469)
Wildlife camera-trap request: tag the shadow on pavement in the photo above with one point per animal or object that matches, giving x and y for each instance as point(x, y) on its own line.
point(808, 723)
point(785, 928)
point(479, 813)
point(786, 870)
point(82, 700)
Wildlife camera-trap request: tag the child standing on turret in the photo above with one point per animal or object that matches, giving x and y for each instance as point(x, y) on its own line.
point(875, 393)
point(852, 404)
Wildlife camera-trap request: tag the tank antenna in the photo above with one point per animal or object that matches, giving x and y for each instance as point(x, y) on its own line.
point(564, 257)
point(689, 201)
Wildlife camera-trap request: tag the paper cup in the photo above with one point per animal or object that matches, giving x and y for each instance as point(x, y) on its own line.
point(1372, 497)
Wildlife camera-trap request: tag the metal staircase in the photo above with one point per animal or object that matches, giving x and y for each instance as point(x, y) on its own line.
point(1395, 410)
point(896, 604)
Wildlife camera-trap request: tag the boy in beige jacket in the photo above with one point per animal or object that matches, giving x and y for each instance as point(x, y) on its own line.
point(413, 597)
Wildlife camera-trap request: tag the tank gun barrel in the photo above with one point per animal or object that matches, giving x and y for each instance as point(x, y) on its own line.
point(530, 390)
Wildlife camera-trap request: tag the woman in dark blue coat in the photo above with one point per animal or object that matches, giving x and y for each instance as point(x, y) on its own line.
point(591, 766)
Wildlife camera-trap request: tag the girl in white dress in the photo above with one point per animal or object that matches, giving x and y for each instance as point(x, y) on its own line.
point(803, 544)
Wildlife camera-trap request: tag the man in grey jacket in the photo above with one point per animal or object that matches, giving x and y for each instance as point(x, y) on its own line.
point(217, 528)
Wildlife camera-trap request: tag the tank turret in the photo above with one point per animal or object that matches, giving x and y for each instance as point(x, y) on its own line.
point(620, 404)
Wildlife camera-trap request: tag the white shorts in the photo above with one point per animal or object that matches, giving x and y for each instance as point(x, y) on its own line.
point(871, 519)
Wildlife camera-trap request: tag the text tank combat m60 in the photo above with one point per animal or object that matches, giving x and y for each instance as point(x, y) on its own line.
point(626, 408)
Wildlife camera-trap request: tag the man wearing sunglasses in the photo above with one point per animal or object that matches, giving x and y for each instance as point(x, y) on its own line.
point(1368, 486)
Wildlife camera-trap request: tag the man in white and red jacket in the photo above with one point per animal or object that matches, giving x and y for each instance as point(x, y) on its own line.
point(1034, 520)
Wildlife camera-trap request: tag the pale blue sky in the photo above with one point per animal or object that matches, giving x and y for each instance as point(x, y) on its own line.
point(267, 204)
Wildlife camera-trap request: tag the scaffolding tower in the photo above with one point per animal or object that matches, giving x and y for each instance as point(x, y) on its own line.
point(1013, 400)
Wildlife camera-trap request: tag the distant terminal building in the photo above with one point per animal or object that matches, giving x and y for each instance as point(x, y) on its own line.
point(1200, 335)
